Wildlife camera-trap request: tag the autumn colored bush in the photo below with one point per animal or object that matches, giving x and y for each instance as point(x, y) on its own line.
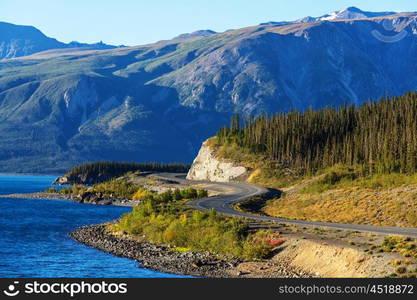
point(170, 223)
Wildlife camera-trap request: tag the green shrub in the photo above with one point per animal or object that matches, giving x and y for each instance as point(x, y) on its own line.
point(78, 189)
point(189, 193)
point(202, 194)
point(258, 245)
point(177, 194)
point(141, 194)
point(403, 245)
point(169, 223)
point(66, 191)
point(116, 188)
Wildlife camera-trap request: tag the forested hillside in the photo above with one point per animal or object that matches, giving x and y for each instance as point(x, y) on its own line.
point(379, 137)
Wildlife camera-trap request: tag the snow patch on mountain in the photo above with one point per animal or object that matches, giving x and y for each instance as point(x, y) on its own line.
point(350, 13)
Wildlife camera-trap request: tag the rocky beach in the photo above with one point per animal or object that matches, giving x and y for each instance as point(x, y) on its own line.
point(166, 259)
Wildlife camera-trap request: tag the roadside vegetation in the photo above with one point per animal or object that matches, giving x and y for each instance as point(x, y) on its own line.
point(403, 245)
point(341, 176)
point(340, 194)
point(114, 188)
point(407, 247)
point(165, 220)
point(121, 188)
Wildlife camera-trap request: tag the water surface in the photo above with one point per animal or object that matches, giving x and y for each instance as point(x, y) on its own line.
point(34, 239)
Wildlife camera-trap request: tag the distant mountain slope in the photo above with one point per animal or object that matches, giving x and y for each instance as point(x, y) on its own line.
point(198, 33)
point(160, 101)
point(18, 40)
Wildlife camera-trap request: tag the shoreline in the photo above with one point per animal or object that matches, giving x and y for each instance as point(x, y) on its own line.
point(165, 259)
point(58, 196)
point(152, 256)
point(156, 257)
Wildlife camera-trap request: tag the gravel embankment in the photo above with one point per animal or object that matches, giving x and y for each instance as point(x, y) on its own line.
point(165, 259)
point(156, 257)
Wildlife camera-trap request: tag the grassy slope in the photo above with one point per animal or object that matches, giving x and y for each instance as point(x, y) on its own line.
point(339, 194)
point(385, 200)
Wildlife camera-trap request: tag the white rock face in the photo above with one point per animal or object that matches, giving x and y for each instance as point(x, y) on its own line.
point(207, 167)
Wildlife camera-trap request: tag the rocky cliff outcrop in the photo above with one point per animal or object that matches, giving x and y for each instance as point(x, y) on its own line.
point(207, 166)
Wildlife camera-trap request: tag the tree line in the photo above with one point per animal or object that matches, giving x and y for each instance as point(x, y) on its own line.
point(380, 137)
point(108, 169)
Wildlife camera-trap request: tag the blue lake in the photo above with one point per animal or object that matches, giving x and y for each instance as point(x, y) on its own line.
point(34, 239)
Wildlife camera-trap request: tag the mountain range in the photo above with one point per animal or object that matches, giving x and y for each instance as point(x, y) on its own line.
point(62, 105)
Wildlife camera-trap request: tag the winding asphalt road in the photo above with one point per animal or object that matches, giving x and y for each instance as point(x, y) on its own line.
point(223, 203)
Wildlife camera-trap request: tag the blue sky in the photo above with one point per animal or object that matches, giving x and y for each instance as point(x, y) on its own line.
point(134, 22)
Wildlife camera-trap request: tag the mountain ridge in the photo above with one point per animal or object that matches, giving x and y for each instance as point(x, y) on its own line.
point(23, 40)
point(350, 13)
